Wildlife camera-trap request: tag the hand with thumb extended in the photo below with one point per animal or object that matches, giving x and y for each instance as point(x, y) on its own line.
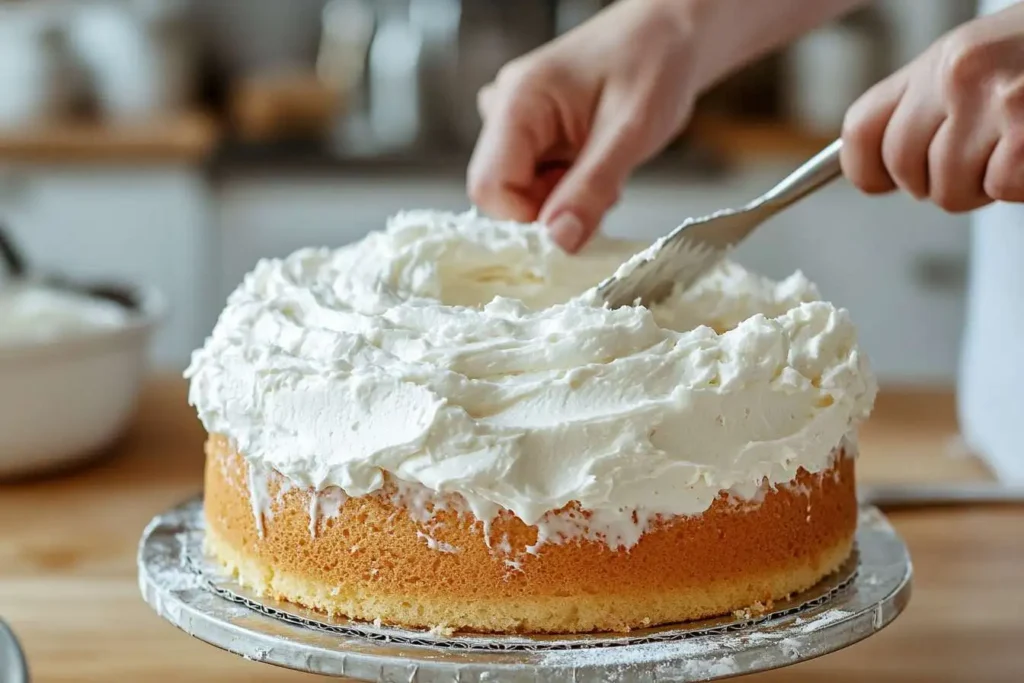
point(566, 125)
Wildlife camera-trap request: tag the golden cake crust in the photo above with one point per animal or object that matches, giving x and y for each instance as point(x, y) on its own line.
point(373, 561)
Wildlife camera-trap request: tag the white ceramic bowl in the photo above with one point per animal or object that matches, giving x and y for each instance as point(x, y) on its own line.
point(65, 400)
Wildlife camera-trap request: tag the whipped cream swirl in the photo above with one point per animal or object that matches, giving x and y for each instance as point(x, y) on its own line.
point(471, 356)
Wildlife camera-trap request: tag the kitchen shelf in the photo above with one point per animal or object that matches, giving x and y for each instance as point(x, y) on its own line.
point(740, 140)
point(187, 137)
point(197, 136)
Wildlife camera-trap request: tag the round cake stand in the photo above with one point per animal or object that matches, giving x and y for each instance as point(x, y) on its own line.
point(193, 594)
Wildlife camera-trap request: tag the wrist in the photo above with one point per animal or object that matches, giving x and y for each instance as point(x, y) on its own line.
point(728, 34)
point(697, 22)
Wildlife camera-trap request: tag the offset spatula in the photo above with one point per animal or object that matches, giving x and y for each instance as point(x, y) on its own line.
point(941, 494)
point(681, 257)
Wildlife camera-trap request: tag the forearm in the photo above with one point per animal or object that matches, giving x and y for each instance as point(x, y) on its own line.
point(732, 33)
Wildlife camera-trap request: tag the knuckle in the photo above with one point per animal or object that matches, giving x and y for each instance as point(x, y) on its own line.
point(1005, 182)
point(948, 188)
point(869, 183)
point(863, 176)
point(999, 187)
point(859, 180)
point(475, 191)
point(1017, 150)
point(1011, 100)
point(860, 154)
point(512, 74)
point(899, 164)
point(484, 98)
point(947, 199)
point(519, 86)
point(480, 188)
point(1014, 156)
point(963, 63)
point(877, 187)
point(855, 129)
point(525, 73)
point(852, 163)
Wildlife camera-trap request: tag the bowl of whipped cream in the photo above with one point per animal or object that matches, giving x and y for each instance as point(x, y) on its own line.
point(72, 360)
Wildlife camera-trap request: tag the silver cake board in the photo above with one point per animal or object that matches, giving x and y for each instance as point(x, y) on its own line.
point(194, 594)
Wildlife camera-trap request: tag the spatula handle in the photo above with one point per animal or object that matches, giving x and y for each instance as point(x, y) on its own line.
point(818, 171)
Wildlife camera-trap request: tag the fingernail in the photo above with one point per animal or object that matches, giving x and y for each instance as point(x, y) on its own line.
point(567, 229)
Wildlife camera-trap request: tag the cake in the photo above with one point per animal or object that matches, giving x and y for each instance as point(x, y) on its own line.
point(441, 426)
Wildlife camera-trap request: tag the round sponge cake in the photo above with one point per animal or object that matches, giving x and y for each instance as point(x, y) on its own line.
point(444, 425)
point(369, 558)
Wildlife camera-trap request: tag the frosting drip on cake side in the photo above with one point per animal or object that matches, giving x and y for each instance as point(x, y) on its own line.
point(468, 356)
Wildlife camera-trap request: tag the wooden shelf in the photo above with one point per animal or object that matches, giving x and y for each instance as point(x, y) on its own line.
point(190, 136)
point(742, 141)
point(193, 137)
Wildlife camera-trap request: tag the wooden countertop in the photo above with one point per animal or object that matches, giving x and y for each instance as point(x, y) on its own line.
point(189, 136)
point(68, 582)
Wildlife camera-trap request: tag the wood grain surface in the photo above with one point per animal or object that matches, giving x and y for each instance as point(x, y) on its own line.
point(68, 582)
point(271, 109)
point(185, 137)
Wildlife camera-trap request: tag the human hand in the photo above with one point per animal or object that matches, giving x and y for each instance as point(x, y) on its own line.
point(565, 125)
point(949, 126)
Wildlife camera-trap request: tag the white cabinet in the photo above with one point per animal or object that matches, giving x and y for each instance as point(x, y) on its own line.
point(145, 225)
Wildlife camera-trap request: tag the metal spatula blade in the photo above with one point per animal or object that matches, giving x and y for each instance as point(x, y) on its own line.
point(941, 494)
point(680, 258)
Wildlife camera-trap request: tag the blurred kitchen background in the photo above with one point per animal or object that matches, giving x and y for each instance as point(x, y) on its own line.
point(174, 143)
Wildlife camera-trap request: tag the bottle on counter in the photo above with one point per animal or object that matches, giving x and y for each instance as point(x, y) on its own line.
point(39, 80)
point(394, 79)
point(138, 56)
point(828, 69)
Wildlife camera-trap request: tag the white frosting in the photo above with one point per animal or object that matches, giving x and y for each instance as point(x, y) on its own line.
point(32, 313)
point(466, 355)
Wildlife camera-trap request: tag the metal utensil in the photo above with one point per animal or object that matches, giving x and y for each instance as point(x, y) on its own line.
point(11, 256)
point(682, 256)
point(943, 494)
point(14, 262)
point(13, 668)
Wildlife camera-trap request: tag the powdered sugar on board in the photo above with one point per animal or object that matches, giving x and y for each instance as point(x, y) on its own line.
point(704, 658)
point(820, 621)
point(833, 616)
point(694, 659)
